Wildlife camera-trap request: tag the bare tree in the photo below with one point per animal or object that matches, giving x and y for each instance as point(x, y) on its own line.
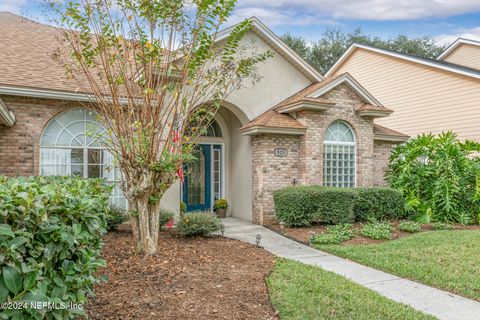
point(157, 75)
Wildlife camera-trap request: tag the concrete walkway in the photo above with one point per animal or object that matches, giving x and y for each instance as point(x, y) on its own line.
point(443, 305)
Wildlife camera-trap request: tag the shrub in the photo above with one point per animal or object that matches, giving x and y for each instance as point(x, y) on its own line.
point(51, 232)
point(115, 217)
point(199, 224)
point(410, 226)
point(334, 235)
point(379, 204)
point(165, 217)
point(221, 204)
point(378, 230)
point(302, 205)
point(442, 226)
point(437, 176)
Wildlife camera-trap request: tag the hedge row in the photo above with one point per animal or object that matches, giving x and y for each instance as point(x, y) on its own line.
point(51, 232)
point(303, 205)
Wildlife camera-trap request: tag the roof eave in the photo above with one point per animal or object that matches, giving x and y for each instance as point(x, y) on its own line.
point(384, 137)
point(7, 117)
point(432, 64)
point(374, 113)
point(455, 45)
point(256, 130)
point(305, 105)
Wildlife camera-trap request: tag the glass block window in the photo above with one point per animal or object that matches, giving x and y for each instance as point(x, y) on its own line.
point(70, 146)
point(339, 156)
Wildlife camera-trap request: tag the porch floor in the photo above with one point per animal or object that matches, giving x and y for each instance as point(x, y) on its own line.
point(442, 304)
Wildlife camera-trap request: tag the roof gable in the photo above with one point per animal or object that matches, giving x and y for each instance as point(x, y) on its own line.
point(267, 35)
point(452, 47)
point(441, 65)
point(333, 82)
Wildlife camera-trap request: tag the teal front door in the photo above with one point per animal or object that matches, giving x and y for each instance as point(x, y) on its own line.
point(203, 178)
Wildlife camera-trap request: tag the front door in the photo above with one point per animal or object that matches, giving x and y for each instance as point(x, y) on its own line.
point(202, 184)
point(197, 184)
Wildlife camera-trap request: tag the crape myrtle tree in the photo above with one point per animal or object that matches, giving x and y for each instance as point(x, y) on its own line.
point(157, 73)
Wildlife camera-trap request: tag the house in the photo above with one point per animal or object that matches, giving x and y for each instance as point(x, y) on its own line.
point(292, 127)
point(426, 95)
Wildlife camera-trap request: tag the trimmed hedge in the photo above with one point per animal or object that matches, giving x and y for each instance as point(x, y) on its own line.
point(303, 205)
point(51, 232)
point(379, 204)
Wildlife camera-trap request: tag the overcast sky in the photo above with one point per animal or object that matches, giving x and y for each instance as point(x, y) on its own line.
point(443, 19)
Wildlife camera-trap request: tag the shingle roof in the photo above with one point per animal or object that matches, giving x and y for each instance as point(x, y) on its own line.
point(384, 131)
point(26, 55)
point(273, 119)
point(371, 107)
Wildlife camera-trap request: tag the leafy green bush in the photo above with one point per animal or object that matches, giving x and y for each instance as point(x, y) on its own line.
point(410, 226)
point(51, 232)
point(379, 204)
point(442, 226)
point(199, 224)
point(115, 217)
point(334, 235)
point(302, 205)
point(165, 217)
point(438, 177)
point(378, 230)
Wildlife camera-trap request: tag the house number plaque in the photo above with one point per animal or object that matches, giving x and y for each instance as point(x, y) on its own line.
point(280, 152)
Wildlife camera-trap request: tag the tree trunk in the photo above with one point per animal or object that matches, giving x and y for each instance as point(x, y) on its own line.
point(145, 224)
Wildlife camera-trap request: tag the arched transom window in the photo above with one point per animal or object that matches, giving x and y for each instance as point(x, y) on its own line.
point(70, 146)
point(339, 156)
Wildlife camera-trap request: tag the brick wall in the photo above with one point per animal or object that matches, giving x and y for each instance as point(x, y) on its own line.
point(19, 144)
point(305, 159)
point(271, 172)
point(381, 154)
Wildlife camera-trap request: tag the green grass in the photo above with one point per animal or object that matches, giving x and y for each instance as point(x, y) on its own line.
point(449, 260)
point(302, 292)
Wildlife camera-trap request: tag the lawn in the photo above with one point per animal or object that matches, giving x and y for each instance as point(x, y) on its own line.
point(445, 259)
point(305, 292)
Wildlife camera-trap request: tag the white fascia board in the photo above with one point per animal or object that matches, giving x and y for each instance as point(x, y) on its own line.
point(352, 83)
point(455, 44)
point(304, 105)
point(270, 130)
point(374, 113)
point(432, 64)
point(272, 39)
point(49, 94)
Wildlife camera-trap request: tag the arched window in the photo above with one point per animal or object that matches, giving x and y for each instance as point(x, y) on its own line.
point(214, 130)
point(70, 146)
point(339, 156)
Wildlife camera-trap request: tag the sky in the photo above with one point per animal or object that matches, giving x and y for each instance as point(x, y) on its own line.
point(445, 20)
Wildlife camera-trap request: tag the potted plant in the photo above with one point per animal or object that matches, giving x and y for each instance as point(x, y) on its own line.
point(220, 207)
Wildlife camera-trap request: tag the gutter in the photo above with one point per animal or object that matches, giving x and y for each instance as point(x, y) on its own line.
point(49, 94)
point(7, 117)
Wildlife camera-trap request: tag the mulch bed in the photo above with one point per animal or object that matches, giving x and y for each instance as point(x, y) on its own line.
point(201, 278)
point(303, 234)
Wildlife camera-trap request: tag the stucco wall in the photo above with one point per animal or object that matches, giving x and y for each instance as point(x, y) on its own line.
point(279, 80)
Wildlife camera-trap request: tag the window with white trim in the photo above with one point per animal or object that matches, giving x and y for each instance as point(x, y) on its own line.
point(70, 147)
point(339, 156)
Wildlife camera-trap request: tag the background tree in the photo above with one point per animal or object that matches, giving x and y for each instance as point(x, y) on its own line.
point(323, 53)
point(157, 77)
